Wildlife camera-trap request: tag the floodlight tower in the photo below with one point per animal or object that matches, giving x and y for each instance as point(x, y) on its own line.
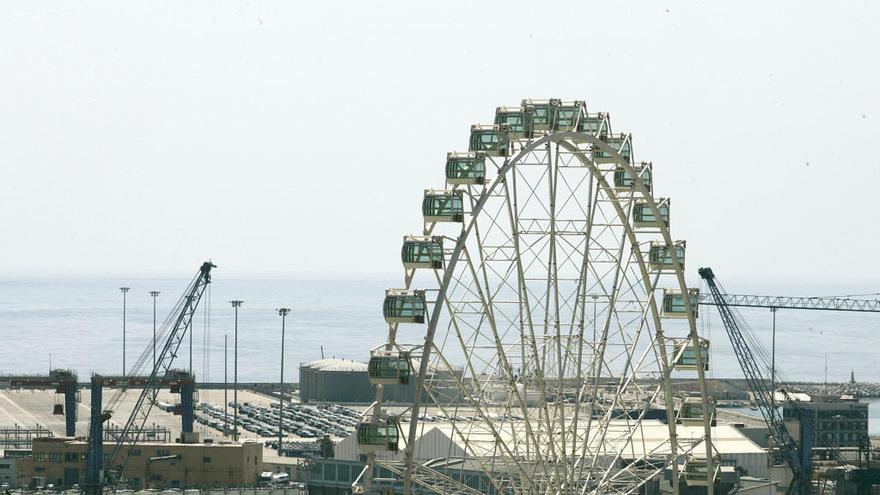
point(124, 291)
point(154, 294)
point(283, 312)
point(236, 303)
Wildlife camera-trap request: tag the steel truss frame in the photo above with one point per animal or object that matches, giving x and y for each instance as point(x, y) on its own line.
point(536, 403)
point(787, 302)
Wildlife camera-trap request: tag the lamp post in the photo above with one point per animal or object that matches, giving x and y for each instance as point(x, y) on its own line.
point(595, 302)
point(154, 294)
point(124, 291)
point(283, 312)
point(837, 418)
point(235, 304)
point(225, 389)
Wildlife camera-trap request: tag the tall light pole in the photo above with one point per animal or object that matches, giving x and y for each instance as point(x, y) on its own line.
point(124, 291)
point(225, 389)
point(283, 312)
point(595, 301)
point(837, 443)
point(154, 294)
point(235, 304)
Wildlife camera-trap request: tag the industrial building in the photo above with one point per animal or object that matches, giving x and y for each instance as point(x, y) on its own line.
point(334, 380)
point(62, 461)
point(438, 440)
point(345, 381)
point(335, 477)
point(837, 421)
point(9, 465)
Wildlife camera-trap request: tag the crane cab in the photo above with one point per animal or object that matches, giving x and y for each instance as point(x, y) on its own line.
point(693, 412)
point(517, 119)
point(625, 181)
point(380, 434)
point(543, 113)
point(597, 124)
point(643, 215)
point(685, 358)
point(493, 140)
point(674, 305)
point(404, 306)
point(443, 205)
point(696, 472)
point(389, 368)
point(660, 255)
point(568, 114)
point(622, 144)
point(422, 252)
point(465, 168)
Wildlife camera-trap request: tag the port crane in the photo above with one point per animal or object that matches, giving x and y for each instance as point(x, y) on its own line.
point(774, 303)
point(178, 381)
point(797, 455)
point(786, 302)
point(63, 381)
point(183, 313)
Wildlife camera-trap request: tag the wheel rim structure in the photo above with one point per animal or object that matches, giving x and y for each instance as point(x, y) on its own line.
point(533, 321)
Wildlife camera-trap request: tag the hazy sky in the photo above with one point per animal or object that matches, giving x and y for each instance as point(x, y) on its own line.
point(295, 139)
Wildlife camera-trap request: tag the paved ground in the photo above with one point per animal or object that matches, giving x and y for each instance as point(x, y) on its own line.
point(30, 408)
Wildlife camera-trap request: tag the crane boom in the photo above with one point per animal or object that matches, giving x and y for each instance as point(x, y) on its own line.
point(763, 395)
point(131, 433)
point(787, 302)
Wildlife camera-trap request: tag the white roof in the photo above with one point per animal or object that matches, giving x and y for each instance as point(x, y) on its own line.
point(334, 364)
point(343, 365)
point(319, 362)
point(650, 439)
point(795, 396)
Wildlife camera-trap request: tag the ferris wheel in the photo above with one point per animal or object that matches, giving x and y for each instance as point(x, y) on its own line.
point(541, 321)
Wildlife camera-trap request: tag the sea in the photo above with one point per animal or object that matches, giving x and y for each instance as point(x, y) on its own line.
point(77, 323)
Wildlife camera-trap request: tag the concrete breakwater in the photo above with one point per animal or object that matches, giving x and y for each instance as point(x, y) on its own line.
point(738, 388)
point(855, 389)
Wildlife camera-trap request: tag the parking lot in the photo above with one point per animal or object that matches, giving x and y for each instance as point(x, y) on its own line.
point(258, 419)
point(261, 419)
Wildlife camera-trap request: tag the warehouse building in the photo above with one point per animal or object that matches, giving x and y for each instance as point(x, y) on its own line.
point(837, 422)
point(62, 461)
point(439, 441)
point(9, 467)
point(345, 381)
point(335, 477)
point(335, 380)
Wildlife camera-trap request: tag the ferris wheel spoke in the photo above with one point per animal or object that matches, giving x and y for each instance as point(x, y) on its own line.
point(597, 364)
point(581, 295)
point(508, 371)
point(552, 319)
point(533, 196)
point(480, 407)
point(524, 291)
point(611, 480)
point(539, 393)
point(664, 362)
